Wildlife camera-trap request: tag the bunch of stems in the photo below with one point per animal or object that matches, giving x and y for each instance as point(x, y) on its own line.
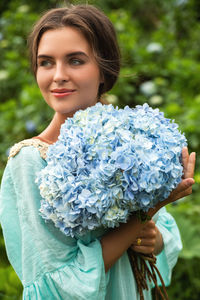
point(144, 270)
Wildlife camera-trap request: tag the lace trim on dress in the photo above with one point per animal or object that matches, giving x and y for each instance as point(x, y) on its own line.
point(37, 143)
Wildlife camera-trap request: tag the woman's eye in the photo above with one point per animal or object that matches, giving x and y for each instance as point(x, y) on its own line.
point(45, 63)
point(76, 61)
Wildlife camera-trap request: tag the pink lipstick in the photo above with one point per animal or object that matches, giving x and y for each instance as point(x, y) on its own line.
point(59, 93)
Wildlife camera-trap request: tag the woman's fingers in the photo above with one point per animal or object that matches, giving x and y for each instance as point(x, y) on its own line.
point(147, 235)
point(143, 249)
point(189, 169)
point(145, 245)
point(185, 157)
point(148, 229)
point(150, 240)
point(184, 188)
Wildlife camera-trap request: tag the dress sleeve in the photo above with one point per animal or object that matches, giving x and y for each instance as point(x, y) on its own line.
point(167, 259)
point(49, 264)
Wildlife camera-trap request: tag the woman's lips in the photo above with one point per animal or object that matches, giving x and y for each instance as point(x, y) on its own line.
point(59, 93)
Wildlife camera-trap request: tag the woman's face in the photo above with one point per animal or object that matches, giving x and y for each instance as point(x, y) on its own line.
point(67, 73)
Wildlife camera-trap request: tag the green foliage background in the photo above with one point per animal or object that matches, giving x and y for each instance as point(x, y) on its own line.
point(160, 44)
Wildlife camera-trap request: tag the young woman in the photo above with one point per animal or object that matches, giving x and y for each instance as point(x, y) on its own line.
point(75, 59)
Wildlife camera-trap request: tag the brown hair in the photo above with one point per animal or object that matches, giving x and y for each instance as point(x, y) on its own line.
point(96, 28)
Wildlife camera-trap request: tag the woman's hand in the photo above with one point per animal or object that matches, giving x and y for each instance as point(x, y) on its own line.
point(185, 186)
point(149, 240)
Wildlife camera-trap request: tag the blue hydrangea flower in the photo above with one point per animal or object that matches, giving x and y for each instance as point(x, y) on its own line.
point(107, 163)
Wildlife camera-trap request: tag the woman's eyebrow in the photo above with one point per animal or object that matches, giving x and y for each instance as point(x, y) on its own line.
point(76, 53)
point(44, 56)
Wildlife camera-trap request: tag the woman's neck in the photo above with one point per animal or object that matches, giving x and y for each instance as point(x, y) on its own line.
point(52, 132)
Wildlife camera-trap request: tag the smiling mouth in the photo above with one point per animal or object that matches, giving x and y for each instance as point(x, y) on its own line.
point(62, 92)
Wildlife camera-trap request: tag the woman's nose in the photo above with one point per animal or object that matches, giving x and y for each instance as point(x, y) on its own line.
point(61, 73)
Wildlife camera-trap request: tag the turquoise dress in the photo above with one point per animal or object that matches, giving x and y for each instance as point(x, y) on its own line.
point(53, 266)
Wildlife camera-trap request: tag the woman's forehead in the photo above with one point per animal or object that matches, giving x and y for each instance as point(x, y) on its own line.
point(67, 39)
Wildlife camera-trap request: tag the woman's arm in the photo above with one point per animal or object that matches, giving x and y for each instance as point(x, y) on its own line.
point(118, 240)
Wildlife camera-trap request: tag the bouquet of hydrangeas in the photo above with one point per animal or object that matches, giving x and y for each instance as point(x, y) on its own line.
point(108, 163)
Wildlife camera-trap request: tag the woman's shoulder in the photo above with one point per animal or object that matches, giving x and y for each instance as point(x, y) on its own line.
point(28, 144)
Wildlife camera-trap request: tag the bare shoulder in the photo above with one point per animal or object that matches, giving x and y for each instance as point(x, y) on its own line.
point(40, 145)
